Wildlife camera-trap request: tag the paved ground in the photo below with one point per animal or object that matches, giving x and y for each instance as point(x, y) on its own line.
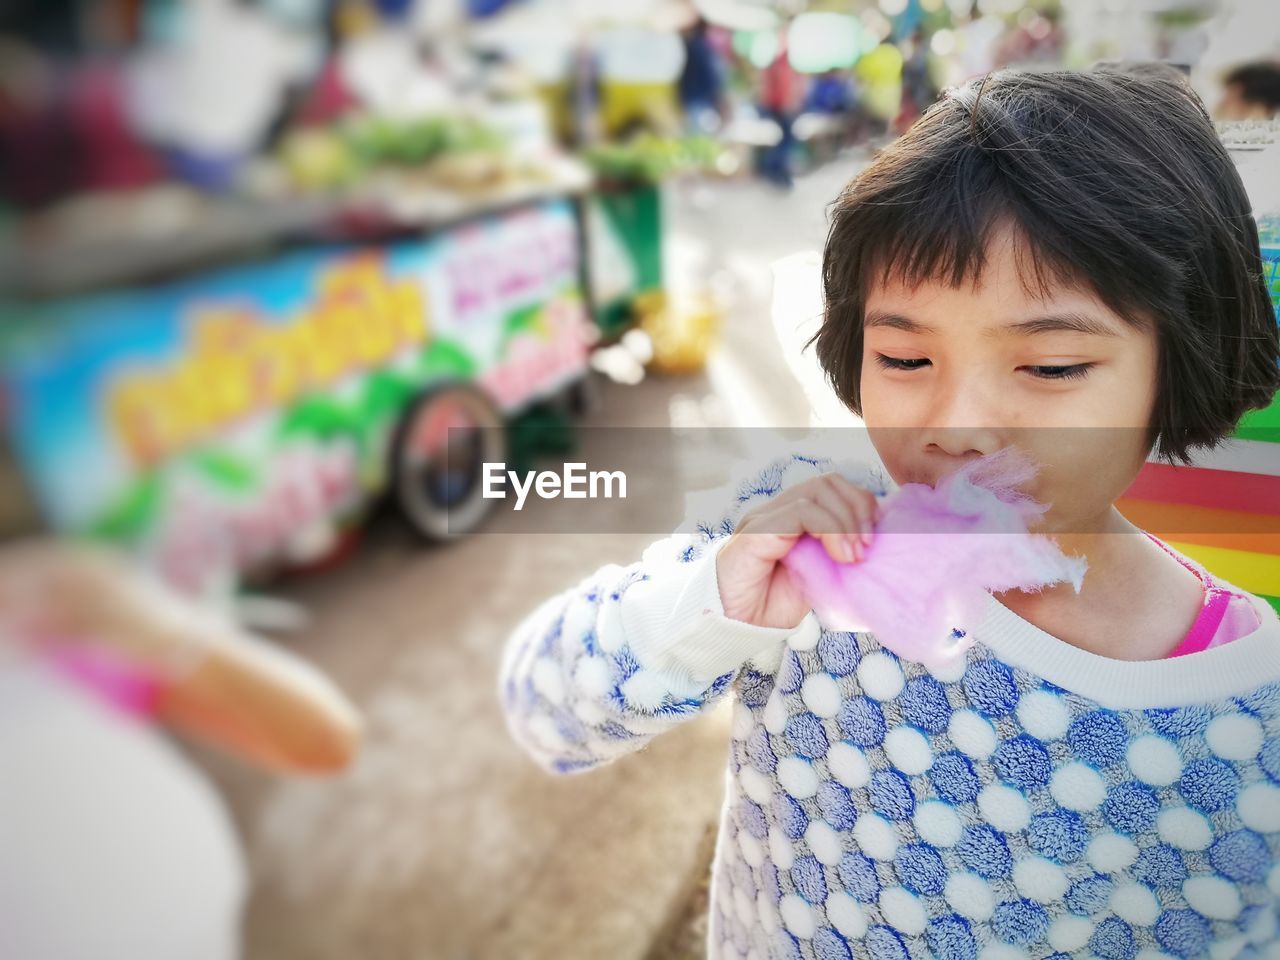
point(445, 841)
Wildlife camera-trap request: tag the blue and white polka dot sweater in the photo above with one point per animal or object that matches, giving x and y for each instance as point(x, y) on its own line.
point(1034, 801)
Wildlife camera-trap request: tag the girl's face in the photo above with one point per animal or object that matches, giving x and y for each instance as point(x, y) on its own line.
point(952, 374)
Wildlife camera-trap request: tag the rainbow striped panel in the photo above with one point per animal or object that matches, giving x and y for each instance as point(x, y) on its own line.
point(1223, 512)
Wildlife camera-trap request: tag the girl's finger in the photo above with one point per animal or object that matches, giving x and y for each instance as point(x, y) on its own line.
point(819, 522)
point(841, 547)
point(861, 503)
point(792, 517)
point(778, 519)
point(831, 499)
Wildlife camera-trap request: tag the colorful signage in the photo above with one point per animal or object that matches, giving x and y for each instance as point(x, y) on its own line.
point(236, 418)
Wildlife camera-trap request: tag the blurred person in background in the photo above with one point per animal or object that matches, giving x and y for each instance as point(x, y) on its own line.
point(835, 94)
point(322, 99)
point(65, 127)
point(917, 86)
point(1251, 91)
point(701, 84)
point(879, 75)
point(782, 92)
point(114, 97)
point(234, 66)
point(832, 92)
point(584, 121)
point(112, 844)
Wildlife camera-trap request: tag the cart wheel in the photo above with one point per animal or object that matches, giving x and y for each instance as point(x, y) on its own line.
point(443, 443)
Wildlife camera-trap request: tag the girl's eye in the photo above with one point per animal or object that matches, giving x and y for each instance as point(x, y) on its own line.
point(893, 363)
point(1072, 372)
point(1043, 372)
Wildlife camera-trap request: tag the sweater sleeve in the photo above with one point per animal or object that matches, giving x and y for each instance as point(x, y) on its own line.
point(599, 670)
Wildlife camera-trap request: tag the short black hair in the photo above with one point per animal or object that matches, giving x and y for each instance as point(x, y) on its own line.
point(1258, 82)
point(1113, 182)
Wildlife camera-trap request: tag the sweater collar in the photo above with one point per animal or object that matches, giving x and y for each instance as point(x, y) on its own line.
point(1229, 670)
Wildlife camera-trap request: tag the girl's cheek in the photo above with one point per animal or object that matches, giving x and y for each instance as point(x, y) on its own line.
point(1085, 473)
point(888, 405)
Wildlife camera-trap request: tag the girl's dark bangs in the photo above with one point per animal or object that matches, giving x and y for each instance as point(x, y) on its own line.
point(945, 231)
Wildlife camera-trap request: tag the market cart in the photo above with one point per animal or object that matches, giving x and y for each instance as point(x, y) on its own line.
point(244, 409)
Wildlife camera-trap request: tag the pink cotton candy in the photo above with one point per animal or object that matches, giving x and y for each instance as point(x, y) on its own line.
point(923, 583)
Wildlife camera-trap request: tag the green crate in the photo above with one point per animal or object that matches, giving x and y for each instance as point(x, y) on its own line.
point(1264, 424)
point(634, 214)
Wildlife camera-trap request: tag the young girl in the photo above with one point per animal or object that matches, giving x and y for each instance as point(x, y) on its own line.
point(1064, 263)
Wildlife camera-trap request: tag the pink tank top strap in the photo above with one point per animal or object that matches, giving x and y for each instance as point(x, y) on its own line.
point(1225, 616)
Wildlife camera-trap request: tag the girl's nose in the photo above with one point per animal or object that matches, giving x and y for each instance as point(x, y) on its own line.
point(963, 423)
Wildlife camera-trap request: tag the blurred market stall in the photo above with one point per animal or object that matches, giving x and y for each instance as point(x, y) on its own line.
point(261, 302)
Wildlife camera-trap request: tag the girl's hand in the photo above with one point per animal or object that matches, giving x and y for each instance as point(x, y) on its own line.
point(754, 586)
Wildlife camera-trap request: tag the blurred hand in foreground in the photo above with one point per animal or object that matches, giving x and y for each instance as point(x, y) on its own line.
point(212, 679)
